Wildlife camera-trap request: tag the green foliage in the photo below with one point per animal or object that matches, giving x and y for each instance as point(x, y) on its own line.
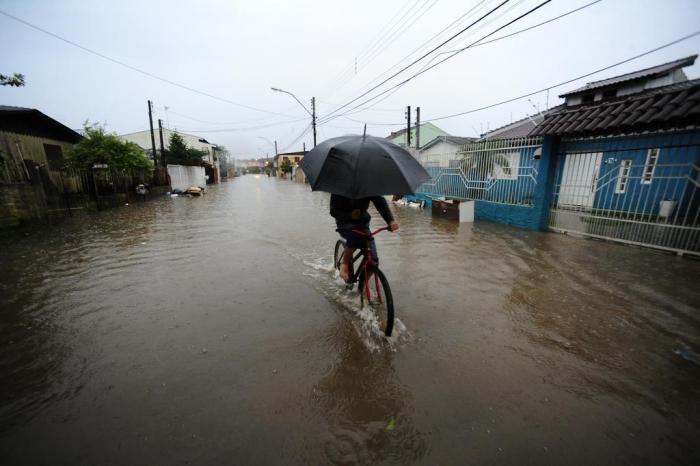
point(101, 147)
point(286, 166)
point(16, 80)
point(180, 154)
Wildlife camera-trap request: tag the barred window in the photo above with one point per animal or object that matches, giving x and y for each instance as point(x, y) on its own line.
point(623, 176)
point(650, 166)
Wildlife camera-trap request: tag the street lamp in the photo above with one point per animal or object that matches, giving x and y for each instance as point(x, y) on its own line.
point(311, 112)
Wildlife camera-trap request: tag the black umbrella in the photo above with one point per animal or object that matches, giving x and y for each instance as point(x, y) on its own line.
point(362, 166)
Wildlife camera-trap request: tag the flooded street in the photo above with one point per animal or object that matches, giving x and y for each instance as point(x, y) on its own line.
point(212, 330)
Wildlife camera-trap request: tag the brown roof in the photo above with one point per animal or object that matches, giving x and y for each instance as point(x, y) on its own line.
point(34, 123)
point(646, 73)
point(673, 106)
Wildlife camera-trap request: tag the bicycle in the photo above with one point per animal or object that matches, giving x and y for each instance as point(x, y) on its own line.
point(371, 282)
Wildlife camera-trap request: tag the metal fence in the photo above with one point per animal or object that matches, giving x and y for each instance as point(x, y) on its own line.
point(502, 171)
point(647, 196)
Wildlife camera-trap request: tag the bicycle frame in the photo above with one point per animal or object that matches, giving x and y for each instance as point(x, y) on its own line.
point(368, 261)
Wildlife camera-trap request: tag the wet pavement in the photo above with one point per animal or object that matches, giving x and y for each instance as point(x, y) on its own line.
point(212, 330)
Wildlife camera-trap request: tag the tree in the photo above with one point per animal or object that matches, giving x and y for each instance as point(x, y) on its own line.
point(100, 147)
point(180, 154)
point(16, 80)
point(286, 166)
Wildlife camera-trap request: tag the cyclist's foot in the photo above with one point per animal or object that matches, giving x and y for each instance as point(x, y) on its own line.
point(344, 272)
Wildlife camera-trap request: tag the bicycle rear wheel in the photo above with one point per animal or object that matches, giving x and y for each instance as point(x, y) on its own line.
point(378, 297)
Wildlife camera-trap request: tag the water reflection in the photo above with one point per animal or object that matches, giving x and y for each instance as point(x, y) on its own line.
point(368, 411)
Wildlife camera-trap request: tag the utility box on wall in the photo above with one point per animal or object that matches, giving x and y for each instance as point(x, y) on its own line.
point(460, 210)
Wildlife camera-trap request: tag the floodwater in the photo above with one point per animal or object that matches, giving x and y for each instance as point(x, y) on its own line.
point(212, 330)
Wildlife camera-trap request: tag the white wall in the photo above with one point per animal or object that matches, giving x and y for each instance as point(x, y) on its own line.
point(439, 154)
point(183, 177)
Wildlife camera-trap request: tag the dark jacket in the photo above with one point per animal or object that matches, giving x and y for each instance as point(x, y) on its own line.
point(342, 210)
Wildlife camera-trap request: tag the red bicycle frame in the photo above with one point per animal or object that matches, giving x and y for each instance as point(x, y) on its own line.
point(369, 262)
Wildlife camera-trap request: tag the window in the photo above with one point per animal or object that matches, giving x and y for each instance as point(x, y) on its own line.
point(296, 159)
point(609, 94)
point(650, 166)
point(587, 98)
point(506, 166)
point(54, 156)
point(623, 176)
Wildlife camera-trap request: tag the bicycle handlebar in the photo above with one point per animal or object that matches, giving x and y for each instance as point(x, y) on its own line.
point(372, 233)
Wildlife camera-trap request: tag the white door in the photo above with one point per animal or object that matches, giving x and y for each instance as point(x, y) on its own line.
point(578, 179)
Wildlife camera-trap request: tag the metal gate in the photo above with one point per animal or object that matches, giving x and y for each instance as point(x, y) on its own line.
point(647, 197)
point(502, 171)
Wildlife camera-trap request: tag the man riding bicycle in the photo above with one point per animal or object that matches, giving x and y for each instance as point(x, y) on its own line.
point(351, 214)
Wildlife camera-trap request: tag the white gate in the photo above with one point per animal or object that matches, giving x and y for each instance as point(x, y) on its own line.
point(579, 178)
point(646, 196)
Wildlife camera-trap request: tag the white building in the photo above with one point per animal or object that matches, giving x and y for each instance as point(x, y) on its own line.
point(441, 150)
point(143, 139)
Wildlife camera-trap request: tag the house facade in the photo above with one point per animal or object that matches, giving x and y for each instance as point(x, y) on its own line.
point(32, 162)
point(441, 150)
point(619, 160)
point(294, 158)
point(211, 157)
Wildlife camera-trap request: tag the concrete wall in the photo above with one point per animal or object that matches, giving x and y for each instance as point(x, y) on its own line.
point(20, 203)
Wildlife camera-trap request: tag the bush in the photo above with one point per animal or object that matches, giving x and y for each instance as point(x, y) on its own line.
point(100, 147)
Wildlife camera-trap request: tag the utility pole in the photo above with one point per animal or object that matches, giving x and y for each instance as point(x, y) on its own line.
point(408, 126)
point(275, 147)
point(417, 127)
point(303, 144)
point(313, 117)
point(162, 148)
point(153, 137)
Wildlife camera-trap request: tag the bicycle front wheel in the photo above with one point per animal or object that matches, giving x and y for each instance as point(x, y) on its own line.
point(376, 293)
point(338, 253)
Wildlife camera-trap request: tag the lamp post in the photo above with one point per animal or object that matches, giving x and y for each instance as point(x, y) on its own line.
point(311, 112)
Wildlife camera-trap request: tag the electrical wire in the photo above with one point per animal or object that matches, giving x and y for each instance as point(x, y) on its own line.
point(377, 38)
point(387, 42)
point(569, 81)
point(360, 110)
point(133, 68)
point(250, 128)
point(419, 59)
point(532, 10)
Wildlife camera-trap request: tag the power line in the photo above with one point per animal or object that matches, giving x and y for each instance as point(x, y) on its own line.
point(297, 139)
point(420, 47)
point(133, 68)
point(419, 59)
point(250, 128)
point(532, 10)
point(378, 37)
point(568, 81)
point(484, 43)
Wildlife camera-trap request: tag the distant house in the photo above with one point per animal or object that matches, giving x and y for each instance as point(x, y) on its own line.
point(211, 159)
point(428, 132)
point(442, 149)
point(294, 158)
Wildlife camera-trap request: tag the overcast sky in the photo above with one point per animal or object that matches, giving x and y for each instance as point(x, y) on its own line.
point(237, 50)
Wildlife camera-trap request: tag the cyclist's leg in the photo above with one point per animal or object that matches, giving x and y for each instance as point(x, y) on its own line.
point(373, 250)
point(353, 241)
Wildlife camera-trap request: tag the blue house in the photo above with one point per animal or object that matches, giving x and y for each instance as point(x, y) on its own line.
point(627, 158)
point(619, 160)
